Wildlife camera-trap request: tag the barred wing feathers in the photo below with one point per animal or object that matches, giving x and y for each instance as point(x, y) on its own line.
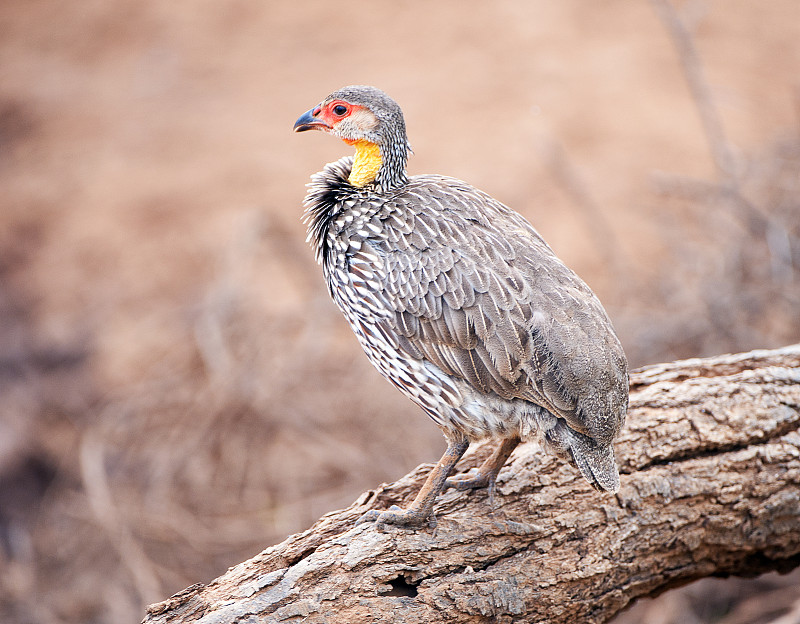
point(476, 291)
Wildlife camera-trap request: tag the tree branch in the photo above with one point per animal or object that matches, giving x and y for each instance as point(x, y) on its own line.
point(710, 462)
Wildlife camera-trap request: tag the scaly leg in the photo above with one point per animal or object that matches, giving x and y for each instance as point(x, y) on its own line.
point(486, 475)
point(420, 510)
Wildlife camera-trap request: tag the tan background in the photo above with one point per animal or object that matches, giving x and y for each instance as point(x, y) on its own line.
point(176, 390)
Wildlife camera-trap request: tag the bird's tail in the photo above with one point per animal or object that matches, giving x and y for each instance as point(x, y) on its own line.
point(595, 462)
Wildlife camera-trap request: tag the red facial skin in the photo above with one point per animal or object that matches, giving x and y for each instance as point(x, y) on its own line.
point(327, 116)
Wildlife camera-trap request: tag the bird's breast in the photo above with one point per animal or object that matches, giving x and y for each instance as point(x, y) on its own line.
point(353, 266)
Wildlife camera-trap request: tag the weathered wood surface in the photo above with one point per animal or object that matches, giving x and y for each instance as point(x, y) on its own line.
point(710, 463)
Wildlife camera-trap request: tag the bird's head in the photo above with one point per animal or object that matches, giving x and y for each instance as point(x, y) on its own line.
point(370, 120)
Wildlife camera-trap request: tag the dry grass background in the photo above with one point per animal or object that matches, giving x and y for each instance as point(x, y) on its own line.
point(176, 390)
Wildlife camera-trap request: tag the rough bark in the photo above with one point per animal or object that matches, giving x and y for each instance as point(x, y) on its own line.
point(710, 463)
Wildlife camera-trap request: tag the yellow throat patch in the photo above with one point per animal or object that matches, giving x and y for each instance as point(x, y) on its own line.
point(367, 163)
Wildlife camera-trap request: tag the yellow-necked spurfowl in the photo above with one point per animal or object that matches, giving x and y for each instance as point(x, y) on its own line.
point(460, 303)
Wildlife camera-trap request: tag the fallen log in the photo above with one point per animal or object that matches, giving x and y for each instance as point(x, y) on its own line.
point(710, 469)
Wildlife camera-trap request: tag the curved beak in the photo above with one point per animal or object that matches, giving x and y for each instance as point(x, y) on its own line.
point(308, 121)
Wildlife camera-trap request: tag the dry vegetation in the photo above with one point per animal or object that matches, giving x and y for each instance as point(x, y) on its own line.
point(176, 390)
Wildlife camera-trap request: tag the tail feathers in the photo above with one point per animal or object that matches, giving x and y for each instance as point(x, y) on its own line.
point(596, 463)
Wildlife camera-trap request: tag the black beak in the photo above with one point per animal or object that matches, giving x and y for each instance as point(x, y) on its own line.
point(307, 121)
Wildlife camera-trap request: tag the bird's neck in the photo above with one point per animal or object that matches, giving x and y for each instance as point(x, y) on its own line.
point(367, 163)
point(384, 164)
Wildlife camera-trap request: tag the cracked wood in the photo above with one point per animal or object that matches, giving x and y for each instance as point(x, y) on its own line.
point(710, 463)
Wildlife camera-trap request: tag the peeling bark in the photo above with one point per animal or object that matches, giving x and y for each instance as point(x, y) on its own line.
point(710, 463)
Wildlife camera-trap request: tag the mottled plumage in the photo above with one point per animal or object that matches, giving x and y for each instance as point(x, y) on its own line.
point(459, 302)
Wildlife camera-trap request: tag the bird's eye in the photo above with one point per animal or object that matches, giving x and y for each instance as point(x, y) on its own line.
point(339, 109)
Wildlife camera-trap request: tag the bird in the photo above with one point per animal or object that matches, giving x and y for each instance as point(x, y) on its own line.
point(460, 303)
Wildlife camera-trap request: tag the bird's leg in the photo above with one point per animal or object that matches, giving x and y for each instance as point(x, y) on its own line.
point(420, 510)
point(486, 475)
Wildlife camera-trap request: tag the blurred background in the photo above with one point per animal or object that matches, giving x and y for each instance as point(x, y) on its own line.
point(177, 392)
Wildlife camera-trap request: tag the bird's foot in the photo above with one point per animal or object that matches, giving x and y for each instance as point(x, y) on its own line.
point(486, 475)
point(474, 480)
point(420, 512)
point(411, 518)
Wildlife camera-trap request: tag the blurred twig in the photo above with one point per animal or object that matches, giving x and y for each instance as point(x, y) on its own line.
point(101, 501)
point(735, 274)
point(698, 85)
point(793, 617)
point(564, 171)
point(722, 153)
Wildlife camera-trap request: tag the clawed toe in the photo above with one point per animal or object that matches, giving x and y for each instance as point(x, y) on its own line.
point(370, 516)
point(394, 515)
point(468, 481)
point(473, 482)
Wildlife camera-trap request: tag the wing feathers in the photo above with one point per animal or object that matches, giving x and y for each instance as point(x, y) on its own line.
point(478, 293)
